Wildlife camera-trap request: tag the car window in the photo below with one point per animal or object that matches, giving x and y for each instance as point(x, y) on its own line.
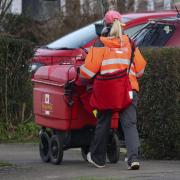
point(82, 36)
point(75, 39)
point(127, 19)
point(156, 34)
point(132, 30)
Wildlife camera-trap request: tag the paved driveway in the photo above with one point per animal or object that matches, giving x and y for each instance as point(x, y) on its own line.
point(27, 165)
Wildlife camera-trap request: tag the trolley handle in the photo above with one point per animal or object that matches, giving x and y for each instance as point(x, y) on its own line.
point(51, 83)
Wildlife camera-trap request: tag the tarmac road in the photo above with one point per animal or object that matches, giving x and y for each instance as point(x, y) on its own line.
point(27, 165)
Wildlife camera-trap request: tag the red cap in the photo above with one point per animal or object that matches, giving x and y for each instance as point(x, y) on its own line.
point(111, 15)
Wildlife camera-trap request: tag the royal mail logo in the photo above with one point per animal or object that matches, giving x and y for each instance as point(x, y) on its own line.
point(47, 98)
point(47, 106)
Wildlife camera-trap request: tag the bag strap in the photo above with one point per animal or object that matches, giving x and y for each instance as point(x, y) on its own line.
point(132, 54)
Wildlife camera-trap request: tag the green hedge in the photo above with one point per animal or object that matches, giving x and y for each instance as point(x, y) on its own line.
point(159, 104)
point(15, 84)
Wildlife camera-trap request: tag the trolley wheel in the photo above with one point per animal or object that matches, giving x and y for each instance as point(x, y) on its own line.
point(113, 149)
point(44, 145)
point(56, 149)
point(84, 152)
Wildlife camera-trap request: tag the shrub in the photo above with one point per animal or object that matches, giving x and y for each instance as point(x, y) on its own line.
point(15, 84)
point(21, 26)
point(159, 105)
point(43, 32)
point(22, 132)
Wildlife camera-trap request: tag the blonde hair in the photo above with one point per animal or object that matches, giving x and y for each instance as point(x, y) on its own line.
point(116, 30)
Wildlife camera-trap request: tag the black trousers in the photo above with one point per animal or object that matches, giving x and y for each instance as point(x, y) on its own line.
point(128, 120)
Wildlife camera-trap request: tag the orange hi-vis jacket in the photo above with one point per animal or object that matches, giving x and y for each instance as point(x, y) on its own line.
point(114, 56)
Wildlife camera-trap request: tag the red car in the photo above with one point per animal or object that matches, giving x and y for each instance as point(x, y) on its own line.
point(75, 44)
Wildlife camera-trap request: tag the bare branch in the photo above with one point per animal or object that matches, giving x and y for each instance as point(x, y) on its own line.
point(4, 6)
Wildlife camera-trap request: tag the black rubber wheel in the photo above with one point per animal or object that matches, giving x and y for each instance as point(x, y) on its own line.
point(113, 149)
point(84, 151)
point(44, 145)
point(56, 149)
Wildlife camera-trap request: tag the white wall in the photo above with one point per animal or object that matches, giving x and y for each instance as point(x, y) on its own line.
point(63, 6)
point(16, 7)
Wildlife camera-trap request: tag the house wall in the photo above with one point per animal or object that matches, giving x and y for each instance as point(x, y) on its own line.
point(45, 9)
point(16, 7)
point(40, 9)
point(31, 7)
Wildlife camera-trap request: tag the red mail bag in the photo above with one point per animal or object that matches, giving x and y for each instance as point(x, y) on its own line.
point(111, 91)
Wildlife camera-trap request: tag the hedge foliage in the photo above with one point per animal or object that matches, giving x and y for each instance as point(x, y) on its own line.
point(21, 26)
point(159, 104)
point(15, 84)
point(43, 32)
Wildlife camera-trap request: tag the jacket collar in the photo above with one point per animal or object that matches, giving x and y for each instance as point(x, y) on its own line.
point(110, 42)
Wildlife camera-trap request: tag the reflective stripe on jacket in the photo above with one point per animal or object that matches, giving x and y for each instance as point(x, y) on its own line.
point(113, 57)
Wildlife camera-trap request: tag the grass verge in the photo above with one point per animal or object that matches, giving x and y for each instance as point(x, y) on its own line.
point(95, 178)
point(21, 133)
point(5, 164)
